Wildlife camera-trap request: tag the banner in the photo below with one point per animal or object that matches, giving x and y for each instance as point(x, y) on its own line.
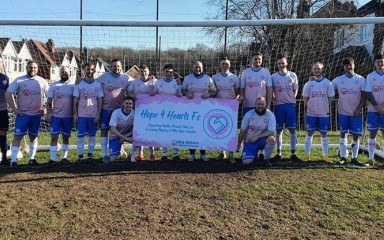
point(179, 122)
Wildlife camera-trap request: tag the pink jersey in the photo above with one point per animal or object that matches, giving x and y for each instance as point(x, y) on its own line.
point(62, 95)
point(163, 86)
point(284, 87)
point(198, 85)
point(254, 124)
point(318, 93)
point(255, 83)
point(123, 123)
point(30, 93)
point(375, 85)
point(113, 87)
point(349, 90)
point(88, 94)
point(138, 86)
point(226, 85)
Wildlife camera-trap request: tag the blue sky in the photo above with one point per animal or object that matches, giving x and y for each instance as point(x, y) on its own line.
point(109, 10)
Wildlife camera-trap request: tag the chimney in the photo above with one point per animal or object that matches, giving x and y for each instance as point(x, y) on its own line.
point(51, 45)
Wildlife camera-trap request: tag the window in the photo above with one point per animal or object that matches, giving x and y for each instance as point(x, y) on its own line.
point(364, 32)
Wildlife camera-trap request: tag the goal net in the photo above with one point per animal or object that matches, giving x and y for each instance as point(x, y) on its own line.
point(55, 44)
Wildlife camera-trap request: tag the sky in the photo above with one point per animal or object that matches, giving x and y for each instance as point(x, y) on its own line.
point(109, 10)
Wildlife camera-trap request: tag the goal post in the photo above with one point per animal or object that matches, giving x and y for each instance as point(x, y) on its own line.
point(181, 43)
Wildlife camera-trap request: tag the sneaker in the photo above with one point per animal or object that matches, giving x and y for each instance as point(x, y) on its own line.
point(267, 163)
point(342, 161)
point(80, 161)
point(52, 163)
point(326, 159)
point(191, 158)
point(231, 159)
point(306, 158)
point(295, 158)
point(261, 157)
point(106, 160)
point(220, 157)
point(32, 162)
point(204, 158)
point(140, 156)
point(65, 161)
point(5, 162)
point(371, 162)
point(176, 159)
point(277, 157)
point(133, 159)
point(152, 158)
point(356, 162)
point(163, 159)
point(13, 164)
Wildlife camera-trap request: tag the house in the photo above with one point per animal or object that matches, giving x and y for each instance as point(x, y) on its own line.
point(50, 60)
point(9, 55)
point(23, 57)
point(370, 36)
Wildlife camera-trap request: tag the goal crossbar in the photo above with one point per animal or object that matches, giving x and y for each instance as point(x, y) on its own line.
point(210, 23)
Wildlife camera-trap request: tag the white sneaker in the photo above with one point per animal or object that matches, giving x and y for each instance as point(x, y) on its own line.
point(204, 158)
point(133, 159)
point(191, 158)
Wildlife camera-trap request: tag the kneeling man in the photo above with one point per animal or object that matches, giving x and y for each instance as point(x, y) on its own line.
point(257, 130)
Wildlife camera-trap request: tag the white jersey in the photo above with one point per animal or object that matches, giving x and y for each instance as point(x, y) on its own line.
point(349, 90)
point(167, 87)
point(255, 83)
point(113, 87)
point(284, 87)
point(61, 94)
point(375, 85)
point(318, 93)
point(254, 124)
point(30, 93)
point(139, 86)
point(198, 85)
point(122, 122)
point(88, 94)
point(226, 85)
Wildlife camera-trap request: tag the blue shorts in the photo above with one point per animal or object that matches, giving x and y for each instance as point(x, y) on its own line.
point(320, 124)
point(352, 124)
point(251, 149)
point(61, 125)
point(27, 124)
point(285, 114)
point(374, 121)
point(86, 126)
point(105, 116)
point(247, 109)
point(114, 147)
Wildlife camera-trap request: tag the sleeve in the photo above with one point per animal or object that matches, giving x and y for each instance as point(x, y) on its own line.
point(331, 90)
point(368, 85)
point(295, 81)
point(156, 87)
point(114, 116)
point(245, 121)
point(334, 82)
point(50, 91)
point(212, 86)
point(269, 79)
point(184, 85)
point(271, 122)
point(101, 91)
point(76, 91)
point(237, 82)
point(242, 80)
point(130, 87)
point(13, 87)
point(306, 90)
point(362, 82)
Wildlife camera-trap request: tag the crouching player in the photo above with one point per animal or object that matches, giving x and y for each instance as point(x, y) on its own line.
point(257, 129)
point(121, 124)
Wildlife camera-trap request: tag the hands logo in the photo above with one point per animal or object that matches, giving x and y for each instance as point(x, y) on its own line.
point(217, 124)
point(26, 92)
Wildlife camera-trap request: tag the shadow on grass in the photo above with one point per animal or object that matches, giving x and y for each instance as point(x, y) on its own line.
point(124, 167)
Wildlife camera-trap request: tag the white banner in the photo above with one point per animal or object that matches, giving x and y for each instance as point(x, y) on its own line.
point(179, 122)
